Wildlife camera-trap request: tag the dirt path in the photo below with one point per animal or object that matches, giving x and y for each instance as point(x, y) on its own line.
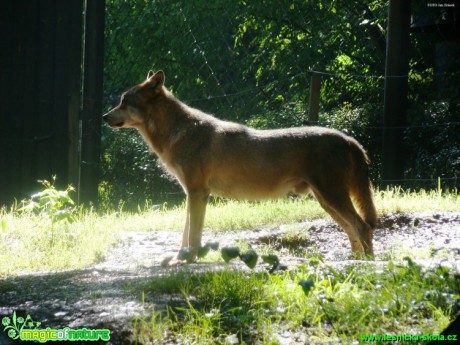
point(100, 297)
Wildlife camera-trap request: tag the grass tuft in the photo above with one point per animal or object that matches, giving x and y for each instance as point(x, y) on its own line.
point(345, 305)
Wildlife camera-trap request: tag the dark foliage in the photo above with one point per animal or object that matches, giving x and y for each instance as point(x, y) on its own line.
point(251, 62)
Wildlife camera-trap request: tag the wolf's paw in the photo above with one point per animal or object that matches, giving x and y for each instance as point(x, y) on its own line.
point(166, 261)
point(187, 254)
point(361, 256)
point(171, 261)
point(184, 256)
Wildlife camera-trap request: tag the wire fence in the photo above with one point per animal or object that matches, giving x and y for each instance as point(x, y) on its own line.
point(252, 62)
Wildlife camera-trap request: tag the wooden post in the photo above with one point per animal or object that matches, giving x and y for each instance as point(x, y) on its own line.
point(396, 80)
point(92, 100)
point(40, 93)
point(74, 93)
point(315, 89)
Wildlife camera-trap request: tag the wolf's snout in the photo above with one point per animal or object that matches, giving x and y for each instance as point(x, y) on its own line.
point(112, 120)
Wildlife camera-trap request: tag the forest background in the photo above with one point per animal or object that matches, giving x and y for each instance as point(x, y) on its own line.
point(252, 61)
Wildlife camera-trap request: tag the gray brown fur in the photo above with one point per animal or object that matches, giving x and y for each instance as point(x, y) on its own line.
point(211, 156)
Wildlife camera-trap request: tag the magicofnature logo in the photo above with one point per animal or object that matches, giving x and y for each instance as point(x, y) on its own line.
point(26, 329)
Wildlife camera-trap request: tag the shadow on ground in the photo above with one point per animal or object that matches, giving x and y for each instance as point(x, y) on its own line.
point(100, 296)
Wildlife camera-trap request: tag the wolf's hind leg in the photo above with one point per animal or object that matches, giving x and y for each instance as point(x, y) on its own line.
point(338, 204)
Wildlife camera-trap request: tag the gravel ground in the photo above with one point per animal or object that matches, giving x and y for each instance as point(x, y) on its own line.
point(99, 296)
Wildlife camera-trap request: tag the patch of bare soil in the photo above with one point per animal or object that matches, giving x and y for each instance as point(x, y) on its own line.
point(100, 296)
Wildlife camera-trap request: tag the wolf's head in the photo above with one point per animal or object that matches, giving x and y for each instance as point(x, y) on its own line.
point(134, 103)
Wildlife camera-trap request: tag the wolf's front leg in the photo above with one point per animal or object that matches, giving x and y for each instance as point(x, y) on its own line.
point(185, 235)
point(196, 209)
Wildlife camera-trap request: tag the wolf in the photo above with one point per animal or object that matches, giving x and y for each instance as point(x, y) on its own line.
point(211, 156)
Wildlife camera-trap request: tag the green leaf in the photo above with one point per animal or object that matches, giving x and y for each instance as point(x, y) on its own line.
point(249, 258)
point(229, 253)
point(4, 225)
point(274, 261)
point(307, 285)
point(203, 251)
point(213, 245)
point(270, 259)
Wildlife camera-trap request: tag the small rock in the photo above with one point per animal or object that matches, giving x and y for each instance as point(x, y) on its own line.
point(231, 339)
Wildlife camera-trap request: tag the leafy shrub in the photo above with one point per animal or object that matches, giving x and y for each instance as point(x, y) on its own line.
point(51, 205)
point(53, 212)
point(432, 144)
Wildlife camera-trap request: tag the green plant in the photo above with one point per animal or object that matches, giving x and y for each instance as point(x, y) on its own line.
point(48, 232)
point(51, 204)
point(309, 302)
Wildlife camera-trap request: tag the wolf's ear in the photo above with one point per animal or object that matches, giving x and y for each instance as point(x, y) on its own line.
point(160, 77)
point(154, 80)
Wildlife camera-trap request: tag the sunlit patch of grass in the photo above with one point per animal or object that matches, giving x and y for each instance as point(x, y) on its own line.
point(215, 307)
point(399, 251)
point(28, 244)
point(49, 232)
point(236, 215)
point(224, 214)
point(50, 239)
point(398, 200)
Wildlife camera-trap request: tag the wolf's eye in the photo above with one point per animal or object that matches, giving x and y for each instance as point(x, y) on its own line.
point(123, 102)
point(126, 98)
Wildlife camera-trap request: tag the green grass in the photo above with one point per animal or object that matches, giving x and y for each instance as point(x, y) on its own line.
point(252, 307)
point(397, 200)
point(30, 244)
point(256, 308)
point(237, 215)
point(50, 239)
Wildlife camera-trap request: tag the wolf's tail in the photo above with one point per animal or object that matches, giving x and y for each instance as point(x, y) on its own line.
point(361, 187)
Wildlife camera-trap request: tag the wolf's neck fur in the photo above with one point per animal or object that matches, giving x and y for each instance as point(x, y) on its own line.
point(161, 127)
